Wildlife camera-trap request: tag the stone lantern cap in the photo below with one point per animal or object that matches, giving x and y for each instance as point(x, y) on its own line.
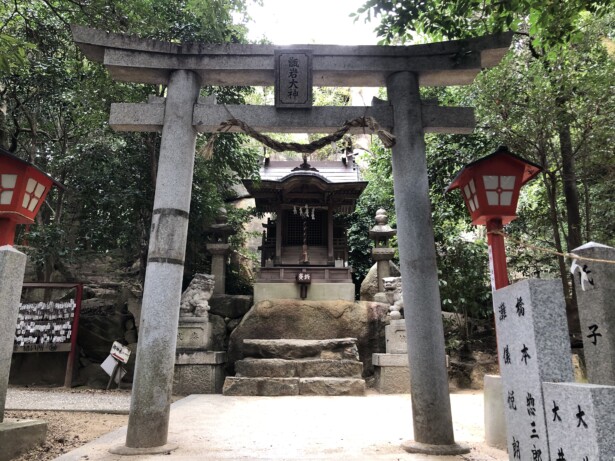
point(382, 230)
point(221, 229)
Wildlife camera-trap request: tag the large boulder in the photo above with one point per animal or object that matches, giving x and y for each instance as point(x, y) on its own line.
point(369, 286)
point(231, 306)
point(296, 319)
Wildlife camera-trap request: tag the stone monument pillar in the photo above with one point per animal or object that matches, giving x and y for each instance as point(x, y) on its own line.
point(17, 435)
point(12, 268)
point(151, 395)
point(594, 284)
point(391, 369)
point(219, 248)
point(382, 253)
point(533, 347)
point(431, 405)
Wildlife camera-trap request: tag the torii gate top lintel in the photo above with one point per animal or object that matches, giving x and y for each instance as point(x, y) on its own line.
point(129, 58)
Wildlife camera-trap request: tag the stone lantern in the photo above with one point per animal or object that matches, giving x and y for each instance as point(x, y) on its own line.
point(218, 247)
point(23, 189)
point(490, 188)
point(382, 253)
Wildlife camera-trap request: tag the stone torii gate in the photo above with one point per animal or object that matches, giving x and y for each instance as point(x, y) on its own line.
point(184, 69)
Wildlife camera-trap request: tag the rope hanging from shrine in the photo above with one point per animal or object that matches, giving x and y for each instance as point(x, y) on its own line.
point(387, 138)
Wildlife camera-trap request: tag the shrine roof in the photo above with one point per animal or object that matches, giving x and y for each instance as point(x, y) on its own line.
point(332, 172)
point(327, 184)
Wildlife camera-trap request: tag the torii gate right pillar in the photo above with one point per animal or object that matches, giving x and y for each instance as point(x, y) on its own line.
point(431, 407)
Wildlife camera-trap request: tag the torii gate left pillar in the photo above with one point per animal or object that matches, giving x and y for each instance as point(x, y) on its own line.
point(184, 68)
point(151, 395)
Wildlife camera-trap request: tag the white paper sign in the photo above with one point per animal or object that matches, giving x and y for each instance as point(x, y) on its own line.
point(109, 365)
point(120, 353)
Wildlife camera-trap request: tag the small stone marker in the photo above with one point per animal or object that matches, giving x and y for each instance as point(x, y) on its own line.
point(533, 347)
point(595, 292)
point(293, 78)
point(580, 421)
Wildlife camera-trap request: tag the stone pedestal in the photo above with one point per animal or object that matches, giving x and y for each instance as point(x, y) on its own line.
point(218, 264)
point(391, 370)
point(595, 290)
point(495, 422)
point(395, 335)
point(194, 333)
point(199, 372)
point(392, 374)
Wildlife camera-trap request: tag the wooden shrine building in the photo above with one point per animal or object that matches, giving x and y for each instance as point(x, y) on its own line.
point(304, 251)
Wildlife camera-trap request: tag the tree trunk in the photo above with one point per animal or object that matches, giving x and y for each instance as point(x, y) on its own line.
point(571, 192)
point(572, 313)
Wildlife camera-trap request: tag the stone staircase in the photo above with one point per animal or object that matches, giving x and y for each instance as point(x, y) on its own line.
point(274, 367)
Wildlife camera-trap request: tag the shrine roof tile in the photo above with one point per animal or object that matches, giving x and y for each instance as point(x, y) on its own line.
point(333, 172)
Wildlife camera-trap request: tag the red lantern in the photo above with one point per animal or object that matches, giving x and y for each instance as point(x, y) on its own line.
point(490, 188)
point(23, 189)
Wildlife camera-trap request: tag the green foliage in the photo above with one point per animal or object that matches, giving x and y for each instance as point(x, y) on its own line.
point(377, 194)
point(55, 110)
point(12, 53)
point(551, 23)
point(518, 102)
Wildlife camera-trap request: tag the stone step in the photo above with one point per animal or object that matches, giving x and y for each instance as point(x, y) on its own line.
point(289, 349)
point(331, 386)
point(300, 368)
point(234, 385)
point(271, 387)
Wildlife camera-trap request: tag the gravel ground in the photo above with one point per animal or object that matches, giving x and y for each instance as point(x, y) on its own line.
point(61, 399)
point(74, 416)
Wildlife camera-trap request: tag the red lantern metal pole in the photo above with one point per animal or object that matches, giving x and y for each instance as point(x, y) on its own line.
point(7, 231)
point(497, 254)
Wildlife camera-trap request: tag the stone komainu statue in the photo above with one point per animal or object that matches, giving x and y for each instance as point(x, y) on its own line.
point(195, 300)
point(395, 297)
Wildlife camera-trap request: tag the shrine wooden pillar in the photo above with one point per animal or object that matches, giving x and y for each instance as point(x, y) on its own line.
point(278, 236)
point(330, 255)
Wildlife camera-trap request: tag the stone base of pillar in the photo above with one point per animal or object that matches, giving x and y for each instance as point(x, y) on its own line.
point(441, 450)
point(199, 372)
point(123, 450)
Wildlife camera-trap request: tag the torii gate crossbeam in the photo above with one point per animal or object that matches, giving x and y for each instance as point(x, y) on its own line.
point(184, 69)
